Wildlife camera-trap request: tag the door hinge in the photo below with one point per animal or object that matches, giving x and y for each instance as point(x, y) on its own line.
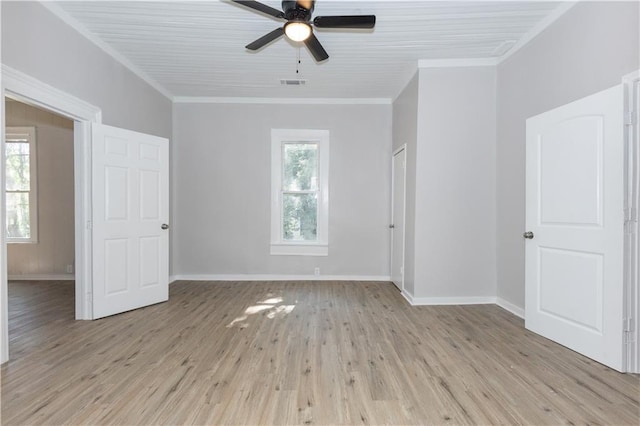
point(630, 220)
point(630, 118)
point(629, 337)
point(628, 329)
point(89, 224)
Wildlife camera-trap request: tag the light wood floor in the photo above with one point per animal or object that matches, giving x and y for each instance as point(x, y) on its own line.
point(295, 353)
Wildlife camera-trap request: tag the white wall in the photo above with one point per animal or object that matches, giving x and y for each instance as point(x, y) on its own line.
point(455, 183)
point(39, 44)
point(221, 160)
point(405, 131)
point(54, 143)
point(587, 50)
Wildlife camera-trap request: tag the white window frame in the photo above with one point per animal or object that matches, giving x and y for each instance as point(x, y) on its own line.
point(282, 247)
point(28, 133)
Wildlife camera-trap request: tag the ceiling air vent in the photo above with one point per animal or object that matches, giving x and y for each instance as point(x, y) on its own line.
point(293, 82)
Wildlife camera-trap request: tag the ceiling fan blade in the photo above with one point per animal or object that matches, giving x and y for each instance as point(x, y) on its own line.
point(266, 39)
point(355, 21)
point(255, 5)
point(316, 48)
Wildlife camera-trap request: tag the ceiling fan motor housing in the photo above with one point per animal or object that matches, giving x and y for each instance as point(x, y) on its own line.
point(298, 27)
point(297, 10)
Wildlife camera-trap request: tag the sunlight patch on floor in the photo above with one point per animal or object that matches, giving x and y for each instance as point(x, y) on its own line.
point(271, 307)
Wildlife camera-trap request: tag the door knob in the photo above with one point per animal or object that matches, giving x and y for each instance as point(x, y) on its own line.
point(391, 226)
point(528, 235)
point(165, 226)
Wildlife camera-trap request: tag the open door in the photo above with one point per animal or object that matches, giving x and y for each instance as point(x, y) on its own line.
point(575, 226)
point(130, 183)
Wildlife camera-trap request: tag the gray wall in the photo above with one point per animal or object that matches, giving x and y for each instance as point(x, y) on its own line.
point(54, 143)
point(587, 50)
point(405, 131)
point(39, 44)
point(222, 188)
point(455, 190)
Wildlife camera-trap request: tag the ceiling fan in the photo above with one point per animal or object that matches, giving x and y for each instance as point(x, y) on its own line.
point(298, 27)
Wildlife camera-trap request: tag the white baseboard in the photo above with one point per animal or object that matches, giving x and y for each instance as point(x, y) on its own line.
point(425, 301)
point(260, 277)
point(514, 309)
point(473, 300)
point(407, 296)
point(42, 277)
point(434, 301)
point(414, 301)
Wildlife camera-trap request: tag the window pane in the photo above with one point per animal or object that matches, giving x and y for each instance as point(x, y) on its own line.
point(18, 215)
point(300, 167)
point(17, 167)
point(300, 217)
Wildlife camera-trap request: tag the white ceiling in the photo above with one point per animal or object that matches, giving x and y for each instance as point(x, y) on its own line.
point(197, 48)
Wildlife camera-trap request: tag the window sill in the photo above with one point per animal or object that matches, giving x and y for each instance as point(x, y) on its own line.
point(299, 250)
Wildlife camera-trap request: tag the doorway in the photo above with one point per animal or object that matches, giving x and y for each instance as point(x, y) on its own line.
point(39, 194)
point(26, 89)
point(397, 226)
point(123, 165)
point(39, 214)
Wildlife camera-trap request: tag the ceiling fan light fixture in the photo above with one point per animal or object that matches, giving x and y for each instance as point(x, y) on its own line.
point(297, 31)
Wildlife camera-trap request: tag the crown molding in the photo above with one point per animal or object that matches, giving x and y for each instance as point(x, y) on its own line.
point(84, 31)
point(559, 11)
point(457, 62)
point(281, 101)
point(54, 8)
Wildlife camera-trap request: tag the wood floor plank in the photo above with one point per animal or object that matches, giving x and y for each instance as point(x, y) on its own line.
point(288, 353)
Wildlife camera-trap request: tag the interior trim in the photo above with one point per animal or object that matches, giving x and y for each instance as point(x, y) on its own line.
point(284, 101)
point(73, 23)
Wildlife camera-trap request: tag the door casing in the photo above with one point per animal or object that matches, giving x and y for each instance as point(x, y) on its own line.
point(631, 84)
point(393, 213)
point(24, 88)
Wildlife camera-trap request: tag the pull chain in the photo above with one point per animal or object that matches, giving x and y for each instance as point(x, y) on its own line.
point(298, 63)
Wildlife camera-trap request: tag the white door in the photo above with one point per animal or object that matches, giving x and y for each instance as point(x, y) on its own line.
point(130, 184)
point(397, 218)
point(574, 208)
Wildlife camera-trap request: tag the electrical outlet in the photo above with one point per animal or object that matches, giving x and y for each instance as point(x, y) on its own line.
point(316, 271)
point(69, 269)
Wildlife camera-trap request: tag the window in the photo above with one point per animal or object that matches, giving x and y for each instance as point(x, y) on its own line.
point(299, 192)
point(20, 185)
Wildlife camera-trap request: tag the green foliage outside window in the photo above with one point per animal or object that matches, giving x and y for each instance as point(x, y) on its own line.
point(18, 185)
point(300, 192)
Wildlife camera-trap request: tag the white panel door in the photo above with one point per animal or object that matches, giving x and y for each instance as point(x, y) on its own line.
point(397, 219)
point(130, 184)
point(574, 208)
